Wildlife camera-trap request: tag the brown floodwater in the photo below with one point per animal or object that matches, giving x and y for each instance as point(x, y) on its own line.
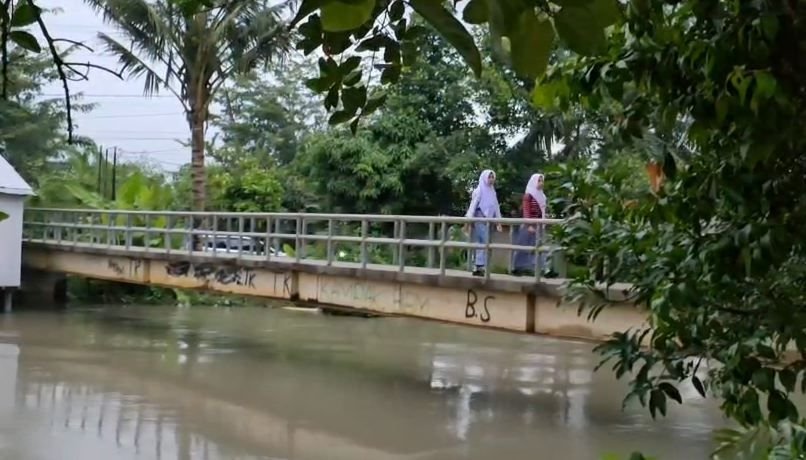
point(253, 383)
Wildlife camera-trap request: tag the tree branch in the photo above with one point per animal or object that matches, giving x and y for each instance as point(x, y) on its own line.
point(6, 25)
point(57, 60)
point(88, 65)
point(73, 42)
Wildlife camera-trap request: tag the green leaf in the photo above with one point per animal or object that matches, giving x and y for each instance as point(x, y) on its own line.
point(353, 78)
point(788, 378)
point(765, 85)
point(476, 12)
point(657, 403)
point(397, 10)
point(532, 42)
point(25, 14)
point(606, 12)
point(332, 98)
point(349, 65)
point(671, 391)
point(339, 117)
point(669, 165)
point(342, 16)
point(545, 94)
point(390, 74)
point(25, 40)
point(373, 103)
point(317, 85)
point(353, 99)
point(763, 379)
point(354, 125)
point(3, 216)
point(722, 105)
point(305, 8)
point(778, 407)
point(451, 29)
point(581, 30)
point(698, 385)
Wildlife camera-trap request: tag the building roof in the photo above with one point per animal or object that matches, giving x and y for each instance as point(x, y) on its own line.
point(11, 183)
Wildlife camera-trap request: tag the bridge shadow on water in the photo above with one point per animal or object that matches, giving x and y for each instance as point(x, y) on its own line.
point(254, 383)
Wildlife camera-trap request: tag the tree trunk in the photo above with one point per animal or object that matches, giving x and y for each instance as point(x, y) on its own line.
point(198, 173)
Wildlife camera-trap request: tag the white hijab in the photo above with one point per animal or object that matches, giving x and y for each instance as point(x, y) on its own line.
point(488, 199)
point(537, 194)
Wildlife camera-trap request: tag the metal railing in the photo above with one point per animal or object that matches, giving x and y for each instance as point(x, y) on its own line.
point(409, 243)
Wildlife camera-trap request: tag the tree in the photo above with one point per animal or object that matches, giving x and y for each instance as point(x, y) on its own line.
point(418, 155)
point(30, 129)
point(524, 31)
point(192, 52)
point(268, 117)
point(715, 253)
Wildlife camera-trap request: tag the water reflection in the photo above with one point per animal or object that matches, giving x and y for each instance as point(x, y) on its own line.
point(246, 384)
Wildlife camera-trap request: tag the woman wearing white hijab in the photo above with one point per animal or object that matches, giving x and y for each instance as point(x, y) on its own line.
point(534, 207)
point(483, 203)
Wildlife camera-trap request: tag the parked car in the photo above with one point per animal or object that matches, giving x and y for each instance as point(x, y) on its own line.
point(237, 244)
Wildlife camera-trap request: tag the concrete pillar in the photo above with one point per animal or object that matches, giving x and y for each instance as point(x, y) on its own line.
point(41, 289)
point(7, 294)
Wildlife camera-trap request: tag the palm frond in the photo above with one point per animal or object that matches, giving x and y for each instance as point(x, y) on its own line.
point(133, 65)
point(147, 25)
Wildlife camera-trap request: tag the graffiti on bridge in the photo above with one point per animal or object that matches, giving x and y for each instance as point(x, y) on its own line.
point(474, 309)
point(129, 268)
point(222, 274)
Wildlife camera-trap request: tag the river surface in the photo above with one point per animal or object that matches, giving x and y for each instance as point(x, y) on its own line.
point(254, 383)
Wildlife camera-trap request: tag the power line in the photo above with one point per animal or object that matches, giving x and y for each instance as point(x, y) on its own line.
point(135, 115)
point(105, 138)
point(109, 95)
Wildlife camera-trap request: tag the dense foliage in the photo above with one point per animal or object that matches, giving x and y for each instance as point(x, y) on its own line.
point(713, 91)
point(706, 97)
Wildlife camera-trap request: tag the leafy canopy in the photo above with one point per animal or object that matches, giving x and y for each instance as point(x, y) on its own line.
point(525, 31)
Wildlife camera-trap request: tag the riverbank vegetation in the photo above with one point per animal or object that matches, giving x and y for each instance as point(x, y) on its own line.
point(671, 133)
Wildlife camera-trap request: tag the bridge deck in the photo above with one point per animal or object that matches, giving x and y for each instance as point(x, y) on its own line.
point(380, 272)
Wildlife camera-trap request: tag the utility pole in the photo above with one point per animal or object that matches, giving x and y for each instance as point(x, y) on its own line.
point(106, 173)
point(114, 172)
point(100, 165)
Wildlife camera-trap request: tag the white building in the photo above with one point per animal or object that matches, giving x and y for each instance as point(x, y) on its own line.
point(13, 191)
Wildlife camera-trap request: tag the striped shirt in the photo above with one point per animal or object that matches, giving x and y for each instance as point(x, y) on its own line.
point(531, 209)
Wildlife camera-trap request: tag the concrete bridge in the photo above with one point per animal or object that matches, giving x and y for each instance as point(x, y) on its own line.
point(397, 265)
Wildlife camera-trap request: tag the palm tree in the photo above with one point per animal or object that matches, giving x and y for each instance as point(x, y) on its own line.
point(192, 53)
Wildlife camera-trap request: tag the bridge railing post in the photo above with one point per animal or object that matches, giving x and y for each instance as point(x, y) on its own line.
point(539, 230)
point(431, 248)
point(329, 242)
point(76, 221)
point(167, 234)
point(147, 233)
point(58, 234)
point(443, 238)
point(110, 231)
point(487, 252)
point(267, 246)
point(240, 236)
point(364, 235)
point(401, 246)
point(127, 234)
point(298, 241)
point(513, 229)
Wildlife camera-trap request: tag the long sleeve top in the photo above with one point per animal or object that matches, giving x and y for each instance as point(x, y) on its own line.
point(530, 207)
point(474, 205)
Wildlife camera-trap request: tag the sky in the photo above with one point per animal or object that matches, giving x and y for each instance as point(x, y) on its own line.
point(142, 128)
